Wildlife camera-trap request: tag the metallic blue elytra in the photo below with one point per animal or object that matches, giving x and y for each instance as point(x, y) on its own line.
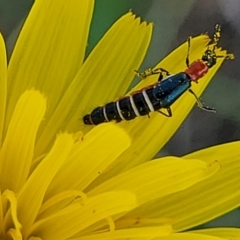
point(171, 88)
point(161, 95)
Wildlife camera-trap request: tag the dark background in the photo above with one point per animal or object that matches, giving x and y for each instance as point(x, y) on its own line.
point(173, 22)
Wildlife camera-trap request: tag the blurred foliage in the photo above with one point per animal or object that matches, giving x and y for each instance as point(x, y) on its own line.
point(11, 12)
point(223, 94)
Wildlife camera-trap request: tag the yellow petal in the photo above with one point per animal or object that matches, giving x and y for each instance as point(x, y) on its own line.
point(99, 148)
point(75, 218)
point(167, 175)
point(9, 201)
point(207, 199)
point(130, 234)
point(58, 202)
point(220, 194)
point(31, 196)
point(189, 236)
point(1, 210)
point(105, 75)
point(3, 84)
point(14, 234)
point(18, 147)
point(227, 233)
point(49, 50)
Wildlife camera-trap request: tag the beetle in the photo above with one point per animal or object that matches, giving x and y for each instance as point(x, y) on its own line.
point(163, 93)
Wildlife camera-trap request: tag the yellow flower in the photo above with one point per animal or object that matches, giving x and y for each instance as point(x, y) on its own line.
point(57, 183)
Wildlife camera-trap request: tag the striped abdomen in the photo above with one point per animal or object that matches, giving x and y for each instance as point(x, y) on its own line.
point(127, 108)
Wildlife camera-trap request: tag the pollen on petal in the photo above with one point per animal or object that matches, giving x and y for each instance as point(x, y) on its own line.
point(18, 147)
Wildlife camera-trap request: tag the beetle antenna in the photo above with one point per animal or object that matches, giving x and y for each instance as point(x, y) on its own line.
point(187, 57)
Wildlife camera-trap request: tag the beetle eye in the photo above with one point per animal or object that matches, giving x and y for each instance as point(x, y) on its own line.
point(209, 57)
point(204, 58)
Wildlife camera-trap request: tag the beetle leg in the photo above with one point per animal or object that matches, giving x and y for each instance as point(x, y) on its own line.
point(228, 56)
point(165, 114)
point(200, 104)
point(150, 71)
